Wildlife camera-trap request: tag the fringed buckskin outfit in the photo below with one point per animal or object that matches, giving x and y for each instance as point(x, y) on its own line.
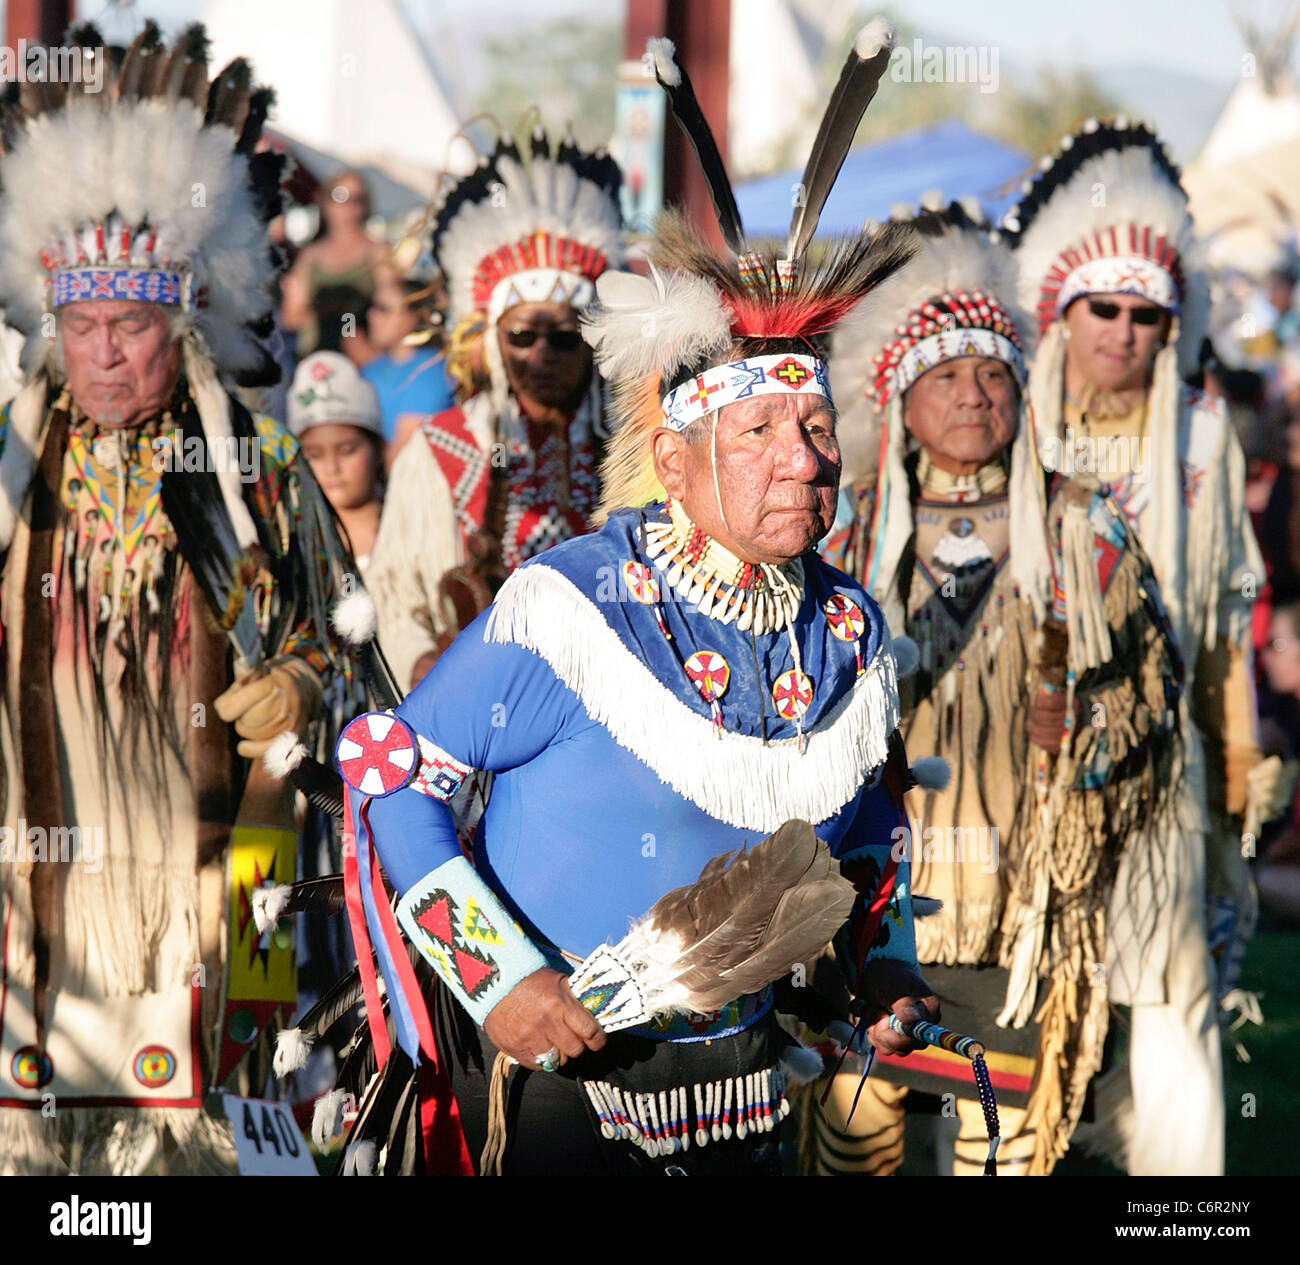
point(1177, 933)
point(1021, 847)
point(122, 782)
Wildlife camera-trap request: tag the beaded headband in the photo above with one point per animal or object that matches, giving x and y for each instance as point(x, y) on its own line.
point(960, 324)
point(739, 380)
point(108, 259)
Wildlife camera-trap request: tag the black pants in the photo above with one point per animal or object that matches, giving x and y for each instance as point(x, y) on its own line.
point(551, 1129)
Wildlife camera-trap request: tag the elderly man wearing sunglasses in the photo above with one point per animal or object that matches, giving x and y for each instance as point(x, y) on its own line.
point(511, 469)
point(1109, 261)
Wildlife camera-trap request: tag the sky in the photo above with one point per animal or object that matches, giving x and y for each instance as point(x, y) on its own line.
point(1195, 36)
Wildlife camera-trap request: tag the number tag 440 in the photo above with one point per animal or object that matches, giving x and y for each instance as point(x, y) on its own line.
point(267, 1139)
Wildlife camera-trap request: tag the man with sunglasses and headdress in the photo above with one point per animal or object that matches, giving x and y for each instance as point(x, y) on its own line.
point(511, 469)
point(1116, 282)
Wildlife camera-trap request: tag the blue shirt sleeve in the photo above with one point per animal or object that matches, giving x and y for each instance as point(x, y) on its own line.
point(484, 705)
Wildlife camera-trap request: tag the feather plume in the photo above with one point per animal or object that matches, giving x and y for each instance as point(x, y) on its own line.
point(284, 754)
point(686, 110)
point(327, 1117)
point(359, 1159)
point(268, 904)
point(137, 65)
point(292, 1048)
point(801, 1065)
point(931, 773)
point(859, 79)
point(744, 923)
point(354, 617)
point(658, 324)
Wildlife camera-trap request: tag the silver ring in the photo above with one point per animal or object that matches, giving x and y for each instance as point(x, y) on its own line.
point(548, 1061)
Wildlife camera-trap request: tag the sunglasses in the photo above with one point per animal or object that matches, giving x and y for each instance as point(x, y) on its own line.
point(559, 339)
point(1105, 311)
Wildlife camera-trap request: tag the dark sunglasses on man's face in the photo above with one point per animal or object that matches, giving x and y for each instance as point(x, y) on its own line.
point(559, 339)
point(1105, 311)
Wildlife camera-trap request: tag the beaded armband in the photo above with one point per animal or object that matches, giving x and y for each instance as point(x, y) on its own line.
point(456, 920)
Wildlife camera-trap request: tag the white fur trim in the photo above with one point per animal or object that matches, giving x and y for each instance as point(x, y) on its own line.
point(354, 617)
point(734, 778)
point(663, 51)
point(359, 1159)
point(877, 34)
point(268, 904)
point(327, 1116)
point(292, 1046)
point(931, 772)
point(801, 1065)
point(907, 656)
point(284, 755)
point(22, 438)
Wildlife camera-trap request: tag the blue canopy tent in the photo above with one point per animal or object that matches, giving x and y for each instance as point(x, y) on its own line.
point(947, 156)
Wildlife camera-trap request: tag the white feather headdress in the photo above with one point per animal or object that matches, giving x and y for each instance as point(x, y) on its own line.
point(529, 231)
point(1109, 209)
point(1108, 214)
point(147, 189)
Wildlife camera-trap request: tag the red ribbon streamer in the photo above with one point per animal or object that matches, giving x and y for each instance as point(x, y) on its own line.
point(360, 937)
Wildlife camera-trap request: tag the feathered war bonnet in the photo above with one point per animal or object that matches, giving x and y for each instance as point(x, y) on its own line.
point(704, 329)
point(514, 231)
point(1107, 214)
point(957, 296)
point(148, 189)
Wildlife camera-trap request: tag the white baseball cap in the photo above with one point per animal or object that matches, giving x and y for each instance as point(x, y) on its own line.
point(328, 388)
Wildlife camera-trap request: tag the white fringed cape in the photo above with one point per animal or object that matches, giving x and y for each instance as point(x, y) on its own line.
point(738, 779)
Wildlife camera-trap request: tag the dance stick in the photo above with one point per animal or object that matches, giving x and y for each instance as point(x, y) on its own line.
point(933, 1034)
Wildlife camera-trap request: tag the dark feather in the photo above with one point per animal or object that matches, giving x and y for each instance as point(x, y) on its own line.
point(381, 1102)
point(857, 85)
point(184, 75)
point(260, 102)
point(322, 895)
point(686, 110)
point(343, 996)
point(228, 96)
point(137, 65)
point(320, 784)
point(86, 36)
